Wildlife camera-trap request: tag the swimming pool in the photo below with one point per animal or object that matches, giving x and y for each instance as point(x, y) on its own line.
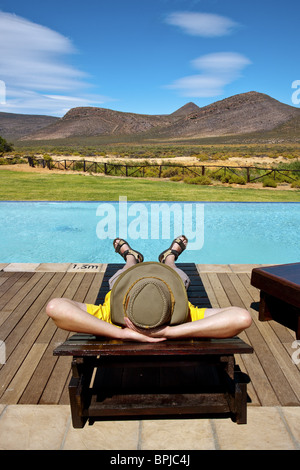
point(82, 232)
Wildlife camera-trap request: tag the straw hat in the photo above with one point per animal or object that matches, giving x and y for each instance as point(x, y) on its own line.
point(150, 294)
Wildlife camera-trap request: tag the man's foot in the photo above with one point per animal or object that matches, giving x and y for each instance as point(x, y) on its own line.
point(177, 247)
point(124, 249)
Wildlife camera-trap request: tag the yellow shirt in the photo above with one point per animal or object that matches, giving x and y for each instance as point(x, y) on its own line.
point(103, 311)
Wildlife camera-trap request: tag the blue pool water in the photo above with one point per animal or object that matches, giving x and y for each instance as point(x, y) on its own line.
point(82, 232)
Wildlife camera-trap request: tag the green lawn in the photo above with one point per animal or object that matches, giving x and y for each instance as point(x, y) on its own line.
point(19, 186)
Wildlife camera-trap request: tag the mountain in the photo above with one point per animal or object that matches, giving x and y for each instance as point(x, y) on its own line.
point(246, 113)
point(15, 126)
point(186, 110)
point(239, 114)
point(89, 121)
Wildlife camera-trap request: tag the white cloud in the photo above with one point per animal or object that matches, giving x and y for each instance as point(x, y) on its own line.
point(218, 70)
point(32, 102)
point(33, 65)
point(221, 62)
point(201, 24)
point(198, 86)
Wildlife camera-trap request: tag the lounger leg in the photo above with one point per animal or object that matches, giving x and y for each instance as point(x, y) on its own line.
point(264, 310)
point(241, 403)
point(237, 394)
point(75, 390)
point(78, 390)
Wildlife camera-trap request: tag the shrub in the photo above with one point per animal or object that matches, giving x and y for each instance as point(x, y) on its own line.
point(225, 178)
point(176, 178)
point(232, 178)
point(11, 161)
point(216, 175)
point(16, 160)
point(5, 146)
point(269, 182)
point(201, 158)
point(203, 180)
point(282, 177)
point(294, 170)
point(151, 172)
point(171, 171)
point(78, 166)
point(49, 161)
point(296, 184)
point(240, 180)
point(237, 179)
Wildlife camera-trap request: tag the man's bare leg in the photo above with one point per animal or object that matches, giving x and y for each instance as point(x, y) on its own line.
point(170, 259)
point(130, 261)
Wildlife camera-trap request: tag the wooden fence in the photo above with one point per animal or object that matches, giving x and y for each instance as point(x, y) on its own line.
point(251, 173)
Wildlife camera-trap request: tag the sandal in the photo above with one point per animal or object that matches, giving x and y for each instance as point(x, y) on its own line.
point(162, 257)
point(138, 256)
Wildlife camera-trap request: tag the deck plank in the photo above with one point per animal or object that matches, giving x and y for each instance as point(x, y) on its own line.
point(272, 332)
point(14, 391)
point(267, 349)
point(261, 384)
point(69, 287)
point(266, 357)
point(57, 381)
point(24, 333)
point(7, 282)
point(32, 375)
point(11, 307)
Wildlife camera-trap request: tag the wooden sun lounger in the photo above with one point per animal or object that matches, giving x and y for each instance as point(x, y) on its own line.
point(279, 294)
point(112, 379)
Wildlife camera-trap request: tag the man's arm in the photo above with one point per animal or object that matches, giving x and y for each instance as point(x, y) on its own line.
point(217, 323)
point(69, 315)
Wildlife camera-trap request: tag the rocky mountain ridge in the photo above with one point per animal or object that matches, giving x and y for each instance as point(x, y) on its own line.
point(240, 114)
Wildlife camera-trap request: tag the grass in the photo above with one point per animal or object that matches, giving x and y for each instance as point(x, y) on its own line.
point(22, 186)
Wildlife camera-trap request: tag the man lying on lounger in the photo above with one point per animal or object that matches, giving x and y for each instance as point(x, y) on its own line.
point(148, 302)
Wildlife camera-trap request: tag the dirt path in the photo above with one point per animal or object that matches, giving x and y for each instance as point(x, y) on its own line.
point(231, 161)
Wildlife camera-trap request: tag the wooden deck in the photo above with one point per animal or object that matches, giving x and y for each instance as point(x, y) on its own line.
point(32, 375)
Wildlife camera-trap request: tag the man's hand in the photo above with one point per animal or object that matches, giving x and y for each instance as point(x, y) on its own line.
point(153, 334)
point(131, 333)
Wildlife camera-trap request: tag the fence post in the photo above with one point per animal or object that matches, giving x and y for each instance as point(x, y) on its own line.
point(248, 174)
point(105, 170)
point(203, 170)
point(159, 171)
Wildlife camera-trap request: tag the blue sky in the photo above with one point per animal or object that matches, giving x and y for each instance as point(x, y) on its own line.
point(144, 56)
